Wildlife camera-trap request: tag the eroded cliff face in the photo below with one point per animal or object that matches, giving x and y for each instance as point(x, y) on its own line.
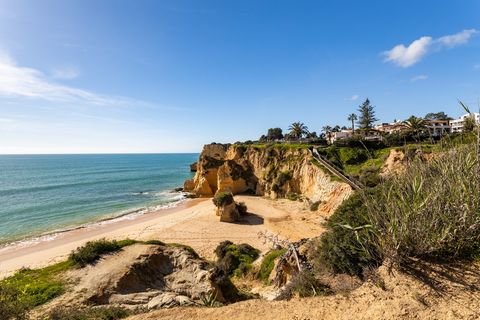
point(265, 171)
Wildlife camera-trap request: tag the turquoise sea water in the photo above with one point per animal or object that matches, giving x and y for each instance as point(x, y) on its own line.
point(46, 193)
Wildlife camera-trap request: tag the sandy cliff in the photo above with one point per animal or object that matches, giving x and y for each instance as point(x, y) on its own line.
point(274, 172)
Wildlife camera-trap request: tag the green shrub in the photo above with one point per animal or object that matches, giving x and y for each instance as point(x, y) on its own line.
point(222, 198)
point(353, 155)
point(305, 284)
point(370, 177)
point(332, 154)
point(11, 306)
point(89, 313)
point(29, 288)
point(431, 210)
point(235, 259)
point(292, 196)
point(268, 263)
point(155, 242)
point(93, 250)
point(127, 242)
point(349, 245)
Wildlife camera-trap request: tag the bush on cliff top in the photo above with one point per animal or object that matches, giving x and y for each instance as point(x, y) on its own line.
point(93, 250)
point(222, 198)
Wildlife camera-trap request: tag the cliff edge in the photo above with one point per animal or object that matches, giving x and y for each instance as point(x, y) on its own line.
point(275, 171)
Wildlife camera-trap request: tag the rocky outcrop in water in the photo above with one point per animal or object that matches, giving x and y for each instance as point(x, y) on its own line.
point(272, 171)
point(193, 167)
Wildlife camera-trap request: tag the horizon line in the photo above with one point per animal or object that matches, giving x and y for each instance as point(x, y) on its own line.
point(92, 153)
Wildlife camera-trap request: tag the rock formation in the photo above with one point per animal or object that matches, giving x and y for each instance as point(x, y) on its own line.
point(274, 171)
point(398, 159)
point(193, 167)
point(153, 276)
point(226, 208)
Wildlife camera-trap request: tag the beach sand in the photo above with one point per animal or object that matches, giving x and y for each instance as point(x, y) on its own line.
point(192, 222)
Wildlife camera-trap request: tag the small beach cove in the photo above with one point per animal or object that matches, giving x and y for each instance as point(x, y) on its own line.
point(192, 222)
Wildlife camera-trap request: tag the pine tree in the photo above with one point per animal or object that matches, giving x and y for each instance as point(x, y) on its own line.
point(367, 115)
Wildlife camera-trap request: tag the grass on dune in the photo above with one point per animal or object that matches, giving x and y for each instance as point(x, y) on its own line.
point(430, 211)
point(29, 288)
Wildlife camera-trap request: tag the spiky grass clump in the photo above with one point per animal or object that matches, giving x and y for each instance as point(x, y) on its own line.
point(431, 210)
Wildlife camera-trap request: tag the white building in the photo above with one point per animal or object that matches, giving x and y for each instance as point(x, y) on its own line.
point(457, 124)
point(390, 128)
point(334, 136)
point(439, 128)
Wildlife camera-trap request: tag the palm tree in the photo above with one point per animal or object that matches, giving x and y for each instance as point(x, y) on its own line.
point(298, 130)
point(352, 117)
point(415, 126)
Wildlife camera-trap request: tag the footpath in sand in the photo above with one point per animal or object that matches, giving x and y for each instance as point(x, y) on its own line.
point(193, 223)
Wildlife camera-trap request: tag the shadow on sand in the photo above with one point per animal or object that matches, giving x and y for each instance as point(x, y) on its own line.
point(251, 219)
point(440, 277)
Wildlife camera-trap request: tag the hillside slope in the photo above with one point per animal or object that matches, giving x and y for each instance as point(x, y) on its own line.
point(447, 292)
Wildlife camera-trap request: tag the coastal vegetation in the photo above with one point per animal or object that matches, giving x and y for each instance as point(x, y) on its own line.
point(268, 262)
point(430, 211)
point(89, 313)
point(366, 117)
point(30, 288)
point(93, 250)
point(235, 259)
point(222, 198)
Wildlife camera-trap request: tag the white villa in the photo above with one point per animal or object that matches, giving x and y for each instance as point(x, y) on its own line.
point(344, 134)
point(437, 128)
point(457, 124)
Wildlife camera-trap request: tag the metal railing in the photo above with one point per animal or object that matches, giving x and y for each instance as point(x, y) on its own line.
point(354, 183)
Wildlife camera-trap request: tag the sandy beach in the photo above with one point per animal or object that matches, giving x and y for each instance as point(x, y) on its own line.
point(192, 222)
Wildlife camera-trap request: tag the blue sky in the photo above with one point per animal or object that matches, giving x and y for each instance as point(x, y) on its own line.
point(92, 76)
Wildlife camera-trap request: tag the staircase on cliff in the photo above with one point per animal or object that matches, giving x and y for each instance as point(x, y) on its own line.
point(355, 184)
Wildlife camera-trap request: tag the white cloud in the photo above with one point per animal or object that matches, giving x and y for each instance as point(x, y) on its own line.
point(419, 78)
point(66, 73)
point(456, 39)
point(406, 56)
point(17, 81)
point(354, 97)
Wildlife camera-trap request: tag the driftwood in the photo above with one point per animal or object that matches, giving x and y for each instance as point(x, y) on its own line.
point(291, 262)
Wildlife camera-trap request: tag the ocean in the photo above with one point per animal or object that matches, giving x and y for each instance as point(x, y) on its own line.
point(43, 194)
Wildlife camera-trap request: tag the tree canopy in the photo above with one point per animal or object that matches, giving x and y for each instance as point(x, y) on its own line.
point(437, 116)
point(297, 130)
point(367, 115)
